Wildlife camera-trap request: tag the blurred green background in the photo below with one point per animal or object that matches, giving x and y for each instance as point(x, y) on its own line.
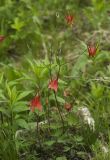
point(31, 26)
point(32, 29)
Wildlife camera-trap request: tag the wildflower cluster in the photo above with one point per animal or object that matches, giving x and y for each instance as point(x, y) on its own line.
point(53, 82)
point(53, 85)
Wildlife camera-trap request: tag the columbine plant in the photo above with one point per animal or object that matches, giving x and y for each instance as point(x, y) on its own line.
point(53, 85)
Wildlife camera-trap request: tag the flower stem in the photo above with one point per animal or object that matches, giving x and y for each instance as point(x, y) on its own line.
point(59, 111)
point(1, 117)
point(48, 112)
point(38, 136)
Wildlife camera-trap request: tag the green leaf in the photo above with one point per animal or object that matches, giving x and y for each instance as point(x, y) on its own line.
point(4, 111)
point(22, 123)
point(61, 100)
point(1, 78)
point(62, 82)
point(66, 149)
point(8, 90)
point(79, 65)
point(23, 94)
point(71, 120)
point(49, 143)
point(20, 107)
point(2, 97)
point(56, 126)
point(13, 94)
point(78, 139)
point(97, 90)
point(32, 125)
point(18, 24)
point(61, 158)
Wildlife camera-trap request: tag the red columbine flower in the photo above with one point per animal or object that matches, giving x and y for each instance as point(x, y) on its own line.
point(53, 84)
point(2, 38)
point(35, 103)
point(92, 50)
point(68, 106)
point(69, 19)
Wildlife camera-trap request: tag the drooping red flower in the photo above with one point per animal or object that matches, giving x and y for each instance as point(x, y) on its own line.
point(69, 19)
point(68, 106)
point(2, 38)
point(53, 84)
point(35, 103)
point(92, 50)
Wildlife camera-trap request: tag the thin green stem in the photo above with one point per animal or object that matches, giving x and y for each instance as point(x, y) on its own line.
point(1, 117)
point(38, 135)
point(48, 112)
point(59, 111)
